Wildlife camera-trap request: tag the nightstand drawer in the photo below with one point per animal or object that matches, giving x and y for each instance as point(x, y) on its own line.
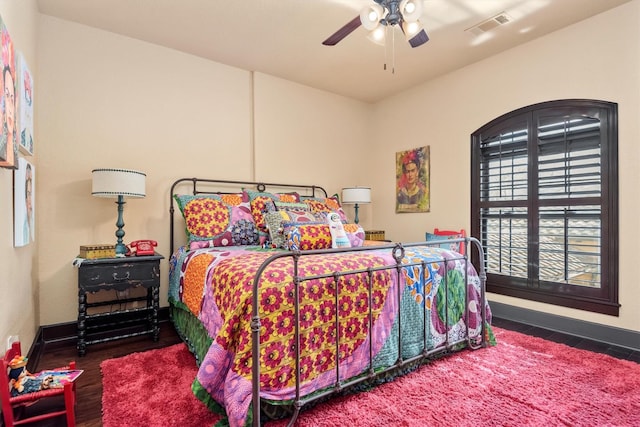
point(125, 274)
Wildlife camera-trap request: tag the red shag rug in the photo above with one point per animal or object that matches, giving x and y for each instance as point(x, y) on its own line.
point(523, 381)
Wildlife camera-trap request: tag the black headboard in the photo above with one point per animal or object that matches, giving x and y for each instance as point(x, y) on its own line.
point(197, 186)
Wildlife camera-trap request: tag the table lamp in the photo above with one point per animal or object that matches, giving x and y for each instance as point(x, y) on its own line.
point(118, 183)
point(357, 196)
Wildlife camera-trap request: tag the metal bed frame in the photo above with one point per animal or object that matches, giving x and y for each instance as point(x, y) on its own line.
point(398, 253)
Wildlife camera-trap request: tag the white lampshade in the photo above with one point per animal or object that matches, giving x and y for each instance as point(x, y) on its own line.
point(371, 15)
point(118, 182)
point(378, 35)
point(356, 195)
point(411, 10)
point(410, 29)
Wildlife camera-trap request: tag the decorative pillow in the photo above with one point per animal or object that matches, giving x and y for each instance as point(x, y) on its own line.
point(339, 237)
point(326, 204)
point(287, 206)
point(304, 237)
point(259, 203)
point(217, 220)
point(317, 236)
point(275, 223)
point(276, 205)
point(355, 233)
point(455, 247)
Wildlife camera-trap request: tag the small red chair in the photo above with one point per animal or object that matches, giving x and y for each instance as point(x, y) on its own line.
point(13, 407)
point(446, 235)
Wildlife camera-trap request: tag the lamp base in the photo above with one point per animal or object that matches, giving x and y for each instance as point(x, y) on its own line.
point(356, 218)
point(121, 249)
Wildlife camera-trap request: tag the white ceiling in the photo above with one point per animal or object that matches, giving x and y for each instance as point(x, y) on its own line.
point(284, 38)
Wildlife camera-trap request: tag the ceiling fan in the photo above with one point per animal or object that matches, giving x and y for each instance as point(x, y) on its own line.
point(386, 14)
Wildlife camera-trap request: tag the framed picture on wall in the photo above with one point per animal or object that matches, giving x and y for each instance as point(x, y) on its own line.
point(8, 147)
point(23, 204)
point(412, 180)
point(25, 106)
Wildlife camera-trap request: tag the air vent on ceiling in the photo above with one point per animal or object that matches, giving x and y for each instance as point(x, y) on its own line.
point(489, 24)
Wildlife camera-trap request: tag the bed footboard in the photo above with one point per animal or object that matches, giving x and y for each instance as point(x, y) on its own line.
point(406, 265)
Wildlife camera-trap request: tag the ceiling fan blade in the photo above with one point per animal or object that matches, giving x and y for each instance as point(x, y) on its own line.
point(343, 32)
point(419, 39)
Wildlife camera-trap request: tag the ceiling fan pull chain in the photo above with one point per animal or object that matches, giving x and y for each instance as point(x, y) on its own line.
point(393, 51)
point(386, 48)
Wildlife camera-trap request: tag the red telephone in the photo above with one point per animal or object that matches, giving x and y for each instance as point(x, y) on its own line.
point(143, 247)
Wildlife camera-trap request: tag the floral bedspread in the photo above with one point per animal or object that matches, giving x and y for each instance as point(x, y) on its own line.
point(217, 284)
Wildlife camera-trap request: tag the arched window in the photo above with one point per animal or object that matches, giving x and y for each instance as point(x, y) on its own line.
point(544, 187)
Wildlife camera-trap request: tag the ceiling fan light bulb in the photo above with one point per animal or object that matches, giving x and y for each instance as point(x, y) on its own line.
point(378, 35)
point(370, 16)
point(411, 28)
point(411, 10)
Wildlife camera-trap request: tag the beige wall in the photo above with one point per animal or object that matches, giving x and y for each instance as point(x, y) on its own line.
point(311, 137)
point(307, 133)
point(112, 101)
point(104, 100)
point(117, 102)
point(598, 58)
point(19, 312)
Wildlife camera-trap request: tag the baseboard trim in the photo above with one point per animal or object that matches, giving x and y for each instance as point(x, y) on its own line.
point(65, 334)
point(593, 331)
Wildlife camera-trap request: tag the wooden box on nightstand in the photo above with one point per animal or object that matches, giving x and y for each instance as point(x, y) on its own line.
point(374, 235)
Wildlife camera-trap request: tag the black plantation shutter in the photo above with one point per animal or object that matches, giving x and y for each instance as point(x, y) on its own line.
point(569, 192)
point(503, 193)
point(544, 203)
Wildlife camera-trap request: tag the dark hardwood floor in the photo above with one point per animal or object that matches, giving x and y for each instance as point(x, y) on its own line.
point(89, 386)
point(570, 340)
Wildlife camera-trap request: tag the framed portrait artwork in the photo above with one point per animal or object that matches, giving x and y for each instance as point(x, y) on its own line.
point(412, 180)
point(24, 208)
point(25, 106)
point(8, 147)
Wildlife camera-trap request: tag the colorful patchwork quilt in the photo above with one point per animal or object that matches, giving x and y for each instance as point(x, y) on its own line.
point(343, 318)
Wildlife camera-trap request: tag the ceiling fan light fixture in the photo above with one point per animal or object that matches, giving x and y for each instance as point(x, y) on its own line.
point(383, 16)
point(370, 16)
point(378, 35)
point(410, 29)
point(411, 10)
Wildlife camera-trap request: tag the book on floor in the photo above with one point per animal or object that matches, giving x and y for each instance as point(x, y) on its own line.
point(58, 378)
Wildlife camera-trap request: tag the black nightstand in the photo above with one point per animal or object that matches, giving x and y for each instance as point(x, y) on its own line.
point(118, 274)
